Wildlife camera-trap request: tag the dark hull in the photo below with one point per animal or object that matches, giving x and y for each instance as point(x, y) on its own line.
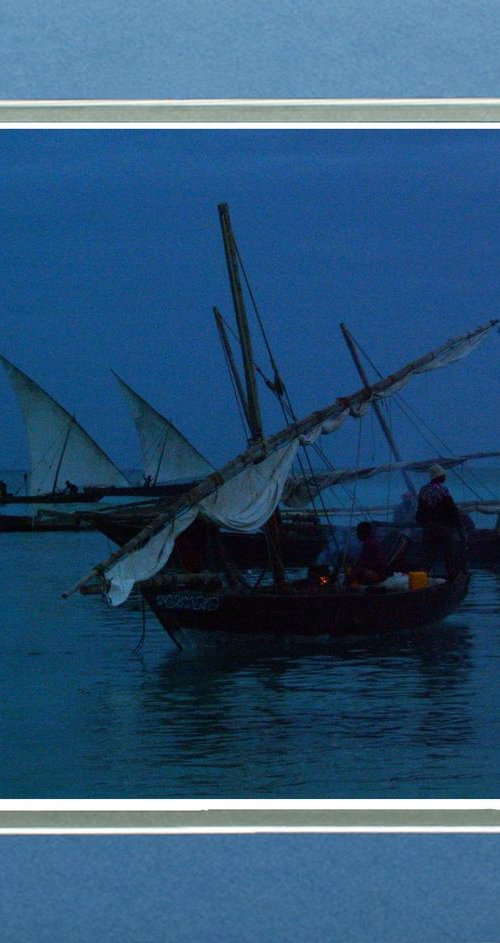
point(91, 495)
point(303, 614)
point(17, 523)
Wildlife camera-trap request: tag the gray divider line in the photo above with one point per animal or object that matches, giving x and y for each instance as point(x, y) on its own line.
point(252, 819)
point(254, 111)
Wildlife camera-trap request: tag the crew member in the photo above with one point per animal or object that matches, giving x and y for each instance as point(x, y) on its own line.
point(70, 488)
point(370, 566)
point(439, 517)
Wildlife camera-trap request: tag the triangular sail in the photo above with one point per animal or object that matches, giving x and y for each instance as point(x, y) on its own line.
point(166, 454)
point(60, 449)
point(301, 490)
point(304, 431)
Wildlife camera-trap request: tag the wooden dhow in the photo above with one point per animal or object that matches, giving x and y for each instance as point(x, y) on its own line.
point(242, 496)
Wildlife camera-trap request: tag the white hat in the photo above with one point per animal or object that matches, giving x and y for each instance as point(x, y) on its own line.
point(436, 471)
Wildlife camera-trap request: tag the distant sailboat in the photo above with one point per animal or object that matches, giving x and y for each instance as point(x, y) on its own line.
point(60, 449)
point(166, 453)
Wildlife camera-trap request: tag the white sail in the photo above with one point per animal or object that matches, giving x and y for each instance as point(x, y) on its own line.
point(166, 454)
point(150, 559)
point(244, 504)
point(59, 448)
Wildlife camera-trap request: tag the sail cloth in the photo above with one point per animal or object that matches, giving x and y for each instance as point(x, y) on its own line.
point(59, 448)
point(244, 503)
point(146, 562)
point(300, 490)
point(326, 420)
point(167, 455)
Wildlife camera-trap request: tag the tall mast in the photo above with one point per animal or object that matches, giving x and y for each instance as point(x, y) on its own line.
point(376, 406)
point(253, 413)
point(253, 406)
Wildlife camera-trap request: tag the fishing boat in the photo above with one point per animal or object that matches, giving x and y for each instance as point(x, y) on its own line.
point(302, 610)
point(244, 496)
point(214, 596)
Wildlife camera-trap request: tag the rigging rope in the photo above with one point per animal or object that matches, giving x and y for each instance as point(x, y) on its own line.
point(281, 391)
point(414, 419)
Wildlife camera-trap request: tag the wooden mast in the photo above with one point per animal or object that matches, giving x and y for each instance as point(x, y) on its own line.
point(254, 415)
point(378, 412)
point(272, 528)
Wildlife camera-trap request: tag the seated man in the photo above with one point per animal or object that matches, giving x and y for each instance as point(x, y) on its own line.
point(370, 566)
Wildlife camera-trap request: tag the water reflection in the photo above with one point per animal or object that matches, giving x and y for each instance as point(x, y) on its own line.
point(400, 716)
point(305, 722)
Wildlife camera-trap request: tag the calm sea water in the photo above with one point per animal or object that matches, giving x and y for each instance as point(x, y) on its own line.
point(83, 716)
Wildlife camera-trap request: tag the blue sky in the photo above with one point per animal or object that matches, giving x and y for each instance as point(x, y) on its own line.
point(267, 48)
point(241, 888)
point(111, 257)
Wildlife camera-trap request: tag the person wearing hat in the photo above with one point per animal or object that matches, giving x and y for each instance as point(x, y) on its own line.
point(439, 517)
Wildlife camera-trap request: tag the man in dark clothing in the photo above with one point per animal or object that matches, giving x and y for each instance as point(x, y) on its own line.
point(439, 517)
point(370, 566)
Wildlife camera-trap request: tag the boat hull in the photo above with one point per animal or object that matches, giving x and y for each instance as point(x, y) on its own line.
point(91, 495)
point(25, 523)
point(304, 614)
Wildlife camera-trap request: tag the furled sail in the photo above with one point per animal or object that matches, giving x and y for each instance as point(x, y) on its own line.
point(59, 448)
point(167, 455)
point(243, 503)
point(303, 431)
point(301, 490)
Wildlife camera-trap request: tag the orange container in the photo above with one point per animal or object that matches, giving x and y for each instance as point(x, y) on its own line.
point(418, 579)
